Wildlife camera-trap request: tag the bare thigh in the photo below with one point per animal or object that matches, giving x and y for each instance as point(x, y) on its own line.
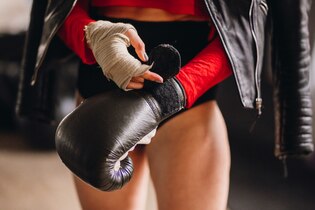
point(131, 197)
point(189, 160)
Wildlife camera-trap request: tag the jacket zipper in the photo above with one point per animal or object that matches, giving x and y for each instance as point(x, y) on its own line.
point(258, 100)
point(35, 75)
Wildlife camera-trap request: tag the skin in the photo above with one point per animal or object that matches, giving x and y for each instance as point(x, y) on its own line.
point(144, 14)
point(190, 169)
point(139, 46)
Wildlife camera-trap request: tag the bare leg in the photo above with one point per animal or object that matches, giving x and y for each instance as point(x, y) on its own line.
point(131, 197)
point(190, 160)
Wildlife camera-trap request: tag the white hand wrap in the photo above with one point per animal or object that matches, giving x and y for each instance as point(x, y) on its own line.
point(109, 46)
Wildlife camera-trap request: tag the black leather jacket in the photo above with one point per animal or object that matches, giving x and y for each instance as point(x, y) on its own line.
point(242, 26)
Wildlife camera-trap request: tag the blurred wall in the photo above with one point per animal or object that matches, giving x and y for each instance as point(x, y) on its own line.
point(14, 15)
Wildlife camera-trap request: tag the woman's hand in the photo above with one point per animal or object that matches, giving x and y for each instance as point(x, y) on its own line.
point(109, 42)
point(139, 46)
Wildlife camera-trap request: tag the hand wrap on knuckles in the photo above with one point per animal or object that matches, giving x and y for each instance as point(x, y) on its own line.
point(109, 43)
point(92, 139)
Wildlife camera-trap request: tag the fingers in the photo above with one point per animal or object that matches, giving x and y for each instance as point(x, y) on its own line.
point(138, 82)
point(138, 79)
point(135, 85)
point(139, 46)
point(148, 75)
point(137, 43)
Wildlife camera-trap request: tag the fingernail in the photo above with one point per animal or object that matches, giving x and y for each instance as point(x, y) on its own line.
point(146, 57)
point(159, 80)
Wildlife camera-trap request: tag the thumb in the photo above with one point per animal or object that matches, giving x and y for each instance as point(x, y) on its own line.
point(137, 44)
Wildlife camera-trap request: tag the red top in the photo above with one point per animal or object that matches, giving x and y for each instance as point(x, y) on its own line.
point(188, 7)
point(79, 17)
point(211, 64)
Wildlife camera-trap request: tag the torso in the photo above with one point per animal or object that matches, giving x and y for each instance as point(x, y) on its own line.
point(146, 14)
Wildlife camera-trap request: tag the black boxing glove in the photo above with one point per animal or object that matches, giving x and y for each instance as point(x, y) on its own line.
point(93, 139)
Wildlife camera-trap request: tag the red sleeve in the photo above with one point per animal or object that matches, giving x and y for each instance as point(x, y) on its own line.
point(205, 70)
point(72, 34)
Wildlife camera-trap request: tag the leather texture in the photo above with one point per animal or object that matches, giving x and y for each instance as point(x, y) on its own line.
point(36, 100)
point(291, 63)
point(92, 138)
point(242, 25)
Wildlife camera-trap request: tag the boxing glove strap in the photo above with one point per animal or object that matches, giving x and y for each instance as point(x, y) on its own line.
point(180, 89)
point(165, 99)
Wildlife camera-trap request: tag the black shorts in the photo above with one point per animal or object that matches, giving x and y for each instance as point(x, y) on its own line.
point(188, 38)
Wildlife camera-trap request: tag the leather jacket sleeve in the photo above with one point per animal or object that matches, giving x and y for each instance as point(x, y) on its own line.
point(36, 100)
point(29, 100)
point(291, 63)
